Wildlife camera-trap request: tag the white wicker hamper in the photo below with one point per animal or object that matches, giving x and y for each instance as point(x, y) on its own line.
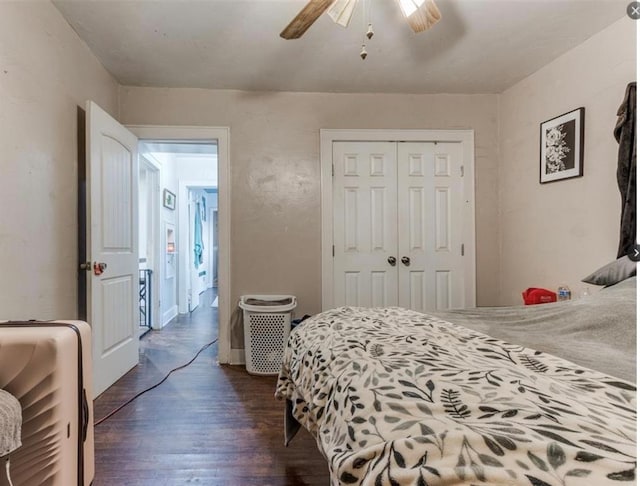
point(267, 322)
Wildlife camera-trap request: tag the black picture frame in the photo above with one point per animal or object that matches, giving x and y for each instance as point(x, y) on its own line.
point(562, 147)
point(169, 199)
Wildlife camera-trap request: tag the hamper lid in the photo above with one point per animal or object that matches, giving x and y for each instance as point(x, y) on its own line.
point(268, 303)
point(253, 301)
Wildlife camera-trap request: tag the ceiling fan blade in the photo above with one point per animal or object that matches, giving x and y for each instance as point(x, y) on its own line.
point(425, 16)
point(341, 11)
point(305, 18)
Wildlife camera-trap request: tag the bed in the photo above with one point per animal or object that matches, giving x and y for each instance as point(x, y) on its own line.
point(536, 395)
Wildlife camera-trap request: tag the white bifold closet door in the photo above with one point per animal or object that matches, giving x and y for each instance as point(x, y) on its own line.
point(397, 209)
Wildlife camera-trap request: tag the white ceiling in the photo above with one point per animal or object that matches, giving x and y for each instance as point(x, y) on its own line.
point(479, 46)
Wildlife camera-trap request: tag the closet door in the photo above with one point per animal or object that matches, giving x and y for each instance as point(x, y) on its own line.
point(430, 205)
point(365, 228)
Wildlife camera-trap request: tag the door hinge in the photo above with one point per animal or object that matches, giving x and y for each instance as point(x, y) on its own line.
point(462, 249)
point(462, 171)
point(333, 170)
point(333, 250)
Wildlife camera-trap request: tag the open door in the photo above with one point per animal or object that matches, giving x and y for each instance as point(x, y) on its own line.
point(112, 245)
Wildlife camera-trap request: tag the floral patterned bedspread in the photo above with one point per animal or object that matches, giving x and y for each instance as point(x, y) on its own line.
point(395, 397)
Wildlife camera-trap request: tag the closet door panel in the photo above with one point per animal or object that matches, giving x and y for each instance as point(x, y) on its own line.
point(398, 224)
point(365, 228)
point(430, 196)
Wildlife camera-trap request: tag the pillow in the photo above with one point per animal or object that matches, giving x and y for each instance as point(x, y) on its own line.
point(612, 273)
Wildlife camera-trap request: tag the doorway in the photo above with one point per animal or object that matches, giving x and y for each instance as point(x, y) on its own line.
point(184, 171)
point(201, 244)
point(194, 166)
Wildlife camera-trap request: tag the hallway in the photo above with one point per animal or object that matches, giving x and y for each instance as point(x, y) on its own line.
point(207, 424)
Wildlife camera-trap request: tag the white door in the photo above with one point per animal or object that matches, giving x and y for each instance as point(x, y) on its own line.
point(112, 243)
point(150, 234)
point(365, 228)
point(398, 225)
point(430, 205)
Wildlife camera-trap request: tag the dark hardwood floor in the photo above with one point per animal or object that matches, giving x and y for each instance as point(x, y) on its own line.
point(207, 424)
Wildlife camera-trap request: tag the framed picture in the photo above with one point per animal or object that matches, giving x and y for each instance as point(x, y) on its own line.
point(169, 199)
point(561, 147)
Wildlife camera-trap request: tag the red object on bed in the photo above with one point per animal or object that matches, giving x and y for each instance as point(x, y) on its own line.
point(533, 296)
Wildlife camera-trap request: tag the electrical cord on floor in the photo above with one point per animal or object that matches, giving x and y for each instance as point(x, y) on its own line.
point(113, 412)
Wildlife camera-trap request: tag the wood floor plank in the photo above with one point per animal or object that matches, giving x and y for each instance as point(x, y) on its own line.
point(207, 424)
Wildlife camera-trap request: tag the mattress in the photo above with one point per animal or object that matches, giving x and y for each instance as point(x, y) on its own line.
point(395, 397)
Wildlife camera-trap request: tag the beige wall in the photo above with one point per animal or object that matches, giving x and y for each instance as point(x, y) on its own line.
point(275, 171)
point(562, 231)
point(45, 73)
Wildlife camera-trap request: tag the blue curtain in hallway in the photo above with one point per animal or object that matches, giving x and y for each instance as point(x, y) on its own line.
point(197, 238)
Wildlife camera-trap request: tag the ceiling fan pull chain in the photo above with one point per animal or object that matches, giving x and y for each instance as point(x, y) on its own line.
point(364, 13)
point(363, 52)
point(366, 19)
point(370, 27)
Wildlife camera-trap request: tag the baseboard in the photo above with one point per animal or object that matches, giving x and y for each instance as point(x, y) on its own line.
point(236, 357)
point(169, 314)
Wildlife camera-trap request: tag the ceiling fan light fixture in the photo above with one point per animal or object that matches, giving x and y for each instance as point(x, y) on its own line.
point(420, 14)
point(409, 7)
point(341, 11)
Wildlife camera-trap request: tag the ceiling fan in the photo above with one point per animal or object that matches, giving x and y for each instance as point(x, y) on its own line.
point(420, 14)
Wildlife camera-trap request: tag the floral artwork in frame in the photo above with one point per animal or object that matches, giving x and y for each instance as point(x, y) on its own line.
point(561, 147)
point(169, 199)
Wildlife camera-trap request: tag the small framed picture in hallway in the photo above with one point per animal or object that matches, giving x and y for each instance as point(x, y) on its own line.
point(169, 199)
point(561, 146)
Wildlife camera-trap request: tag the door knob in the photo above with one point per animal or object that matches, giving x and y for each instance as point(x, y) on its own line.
point(392, 261)
point(406, 261)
